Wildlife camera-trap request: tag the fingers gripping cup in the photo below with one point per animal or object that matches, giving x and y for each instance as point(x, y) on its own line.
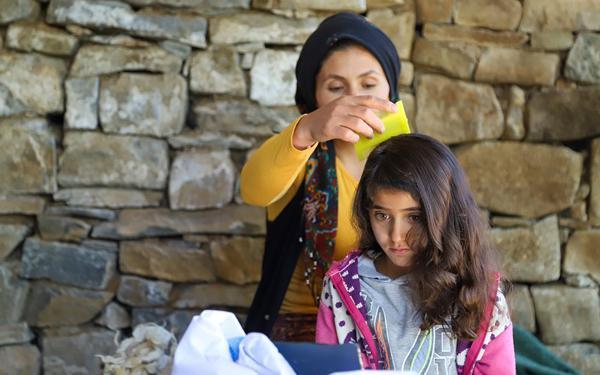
point(394, 123)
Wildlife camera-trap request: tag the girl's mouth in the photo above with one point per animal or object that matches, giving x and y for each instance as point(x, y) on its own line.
point(399, 250)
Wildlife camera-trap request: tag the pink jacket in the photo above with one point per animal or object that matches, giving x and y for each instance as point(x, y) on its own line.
point(492, 352)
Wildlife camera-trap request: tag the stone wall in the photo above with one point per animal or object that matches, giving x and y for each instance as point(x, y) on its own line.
point(124, 124)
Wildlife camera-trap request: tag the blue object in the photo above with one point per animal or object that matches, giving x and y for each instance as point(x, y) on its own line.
point(234, 347)
point(318, 359)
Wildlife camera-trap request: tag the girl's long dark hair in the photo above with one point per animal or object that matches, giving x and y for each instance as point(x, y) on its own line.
point(454, 265)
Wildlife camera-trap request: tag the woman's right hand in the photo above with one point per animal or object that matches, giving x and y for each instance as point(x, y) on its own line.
point(346, 118)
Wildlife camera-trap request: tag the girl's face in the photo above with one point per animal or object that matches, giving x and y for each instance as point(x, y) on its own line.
point(350, 71)
point(393, 214)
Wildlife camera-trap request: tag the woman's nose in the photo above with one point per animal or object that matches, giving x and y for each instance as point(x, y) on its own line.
point(352, 90)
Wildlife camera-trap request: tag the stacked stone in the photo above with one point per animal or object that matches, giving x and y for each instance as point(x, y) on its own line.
point(124, 124)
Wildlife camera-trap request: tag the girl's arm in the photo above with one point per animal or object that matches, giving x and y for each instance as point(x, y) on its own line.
point(499, 356)
point(325, 326)
point(326, 333)
point(273, 168)
point(499, 350)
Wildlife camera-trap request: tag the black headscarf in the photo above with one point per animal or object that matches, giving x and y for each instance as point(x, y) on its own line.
point(333, 30)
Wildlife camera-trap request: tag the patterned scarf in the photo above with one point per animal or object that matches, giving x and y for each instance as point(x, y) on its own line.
point(320, 216)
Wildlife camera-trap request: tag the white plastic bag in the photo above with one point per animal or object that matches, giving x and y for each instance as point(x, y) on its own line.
point(204, 349)
point(213, 340)
point(257, 352)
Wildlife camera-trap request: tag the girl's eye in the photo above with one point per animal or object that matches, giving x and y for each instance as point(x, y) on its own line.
point(381, 216)
point(414, 218)
point(369, 86)
point(336, 88)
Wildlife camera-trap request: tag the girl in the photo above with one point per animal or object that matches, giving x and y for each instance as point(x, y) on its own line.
point(306, 176)
point(422, 293)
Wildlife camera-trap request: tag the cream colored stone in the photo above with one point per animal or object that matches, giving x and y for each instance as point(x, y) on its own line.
point(400, 27)
point(407, 74)
point(82, 103)
point(111, 198)
point(585, 357)
point(455, 111)
point(564, 313)
point(15, 333)
point(93, 60)
point(492, 14)
point(259, 27)
point(60, 228)
point(28, 158)
point(138, 291)
point(238, 260)
point(14, 292)
point(232, 219)
point(217, 71)
point(14, 10)
point(478, 36)
point(20, 359)
point(39, 37)
point(541, 15)
point(272, 77)
point(11, 235)
point(74, 350)
point(34, 80)
point(152, 23)
point(582, 255)
point(376, 4)
point(583, 62)
point(522, 311)
point(530, 254)
point(237, 116)
point(515, 126)
point(95, 159)
point(171, 260)
point(530, 180)
point(357, 6)
point(549, 111)
point(551, 40)
point(454, 59)
point(201, 179)
point(114, 317)
point(21, 204)
point(505, 65)
point(51, 305)
point(434, 10)
point(207, 295)
point(143, 104)
point(217, 4)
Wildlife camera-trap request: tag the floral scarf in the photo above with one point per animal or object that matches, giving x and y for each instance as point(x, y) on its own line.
point(320, 208)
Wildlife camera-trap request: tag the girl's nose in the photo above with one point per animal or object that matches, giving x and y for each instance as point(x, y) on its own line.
point(398, 232)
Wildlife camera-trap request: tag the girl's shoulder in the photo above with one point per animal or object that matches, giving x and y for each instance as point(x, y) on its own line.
point(348, 262)
point(500, 319)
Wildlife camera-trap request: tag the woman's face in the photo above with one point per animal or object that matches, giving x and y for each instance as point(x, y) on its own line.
point(350, 71)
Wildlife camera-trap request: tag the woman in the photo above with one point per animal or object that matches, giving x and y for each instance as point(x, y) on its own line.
point(306, 176)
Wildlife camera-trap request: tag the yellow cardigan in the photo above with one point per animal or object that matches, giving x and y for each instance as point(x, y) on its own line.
point(271, 177)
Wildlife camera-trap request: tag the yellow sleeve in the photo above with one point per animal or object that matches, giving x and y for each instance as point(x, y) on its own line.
point(273, 169)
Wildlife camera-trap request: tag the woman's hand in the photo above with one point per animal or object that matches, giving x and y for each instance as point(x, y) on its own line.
point(346, 118)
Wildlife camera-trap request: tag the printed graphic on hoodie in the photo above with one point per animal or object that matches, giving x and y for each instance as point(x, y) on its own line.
point(407, 347)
